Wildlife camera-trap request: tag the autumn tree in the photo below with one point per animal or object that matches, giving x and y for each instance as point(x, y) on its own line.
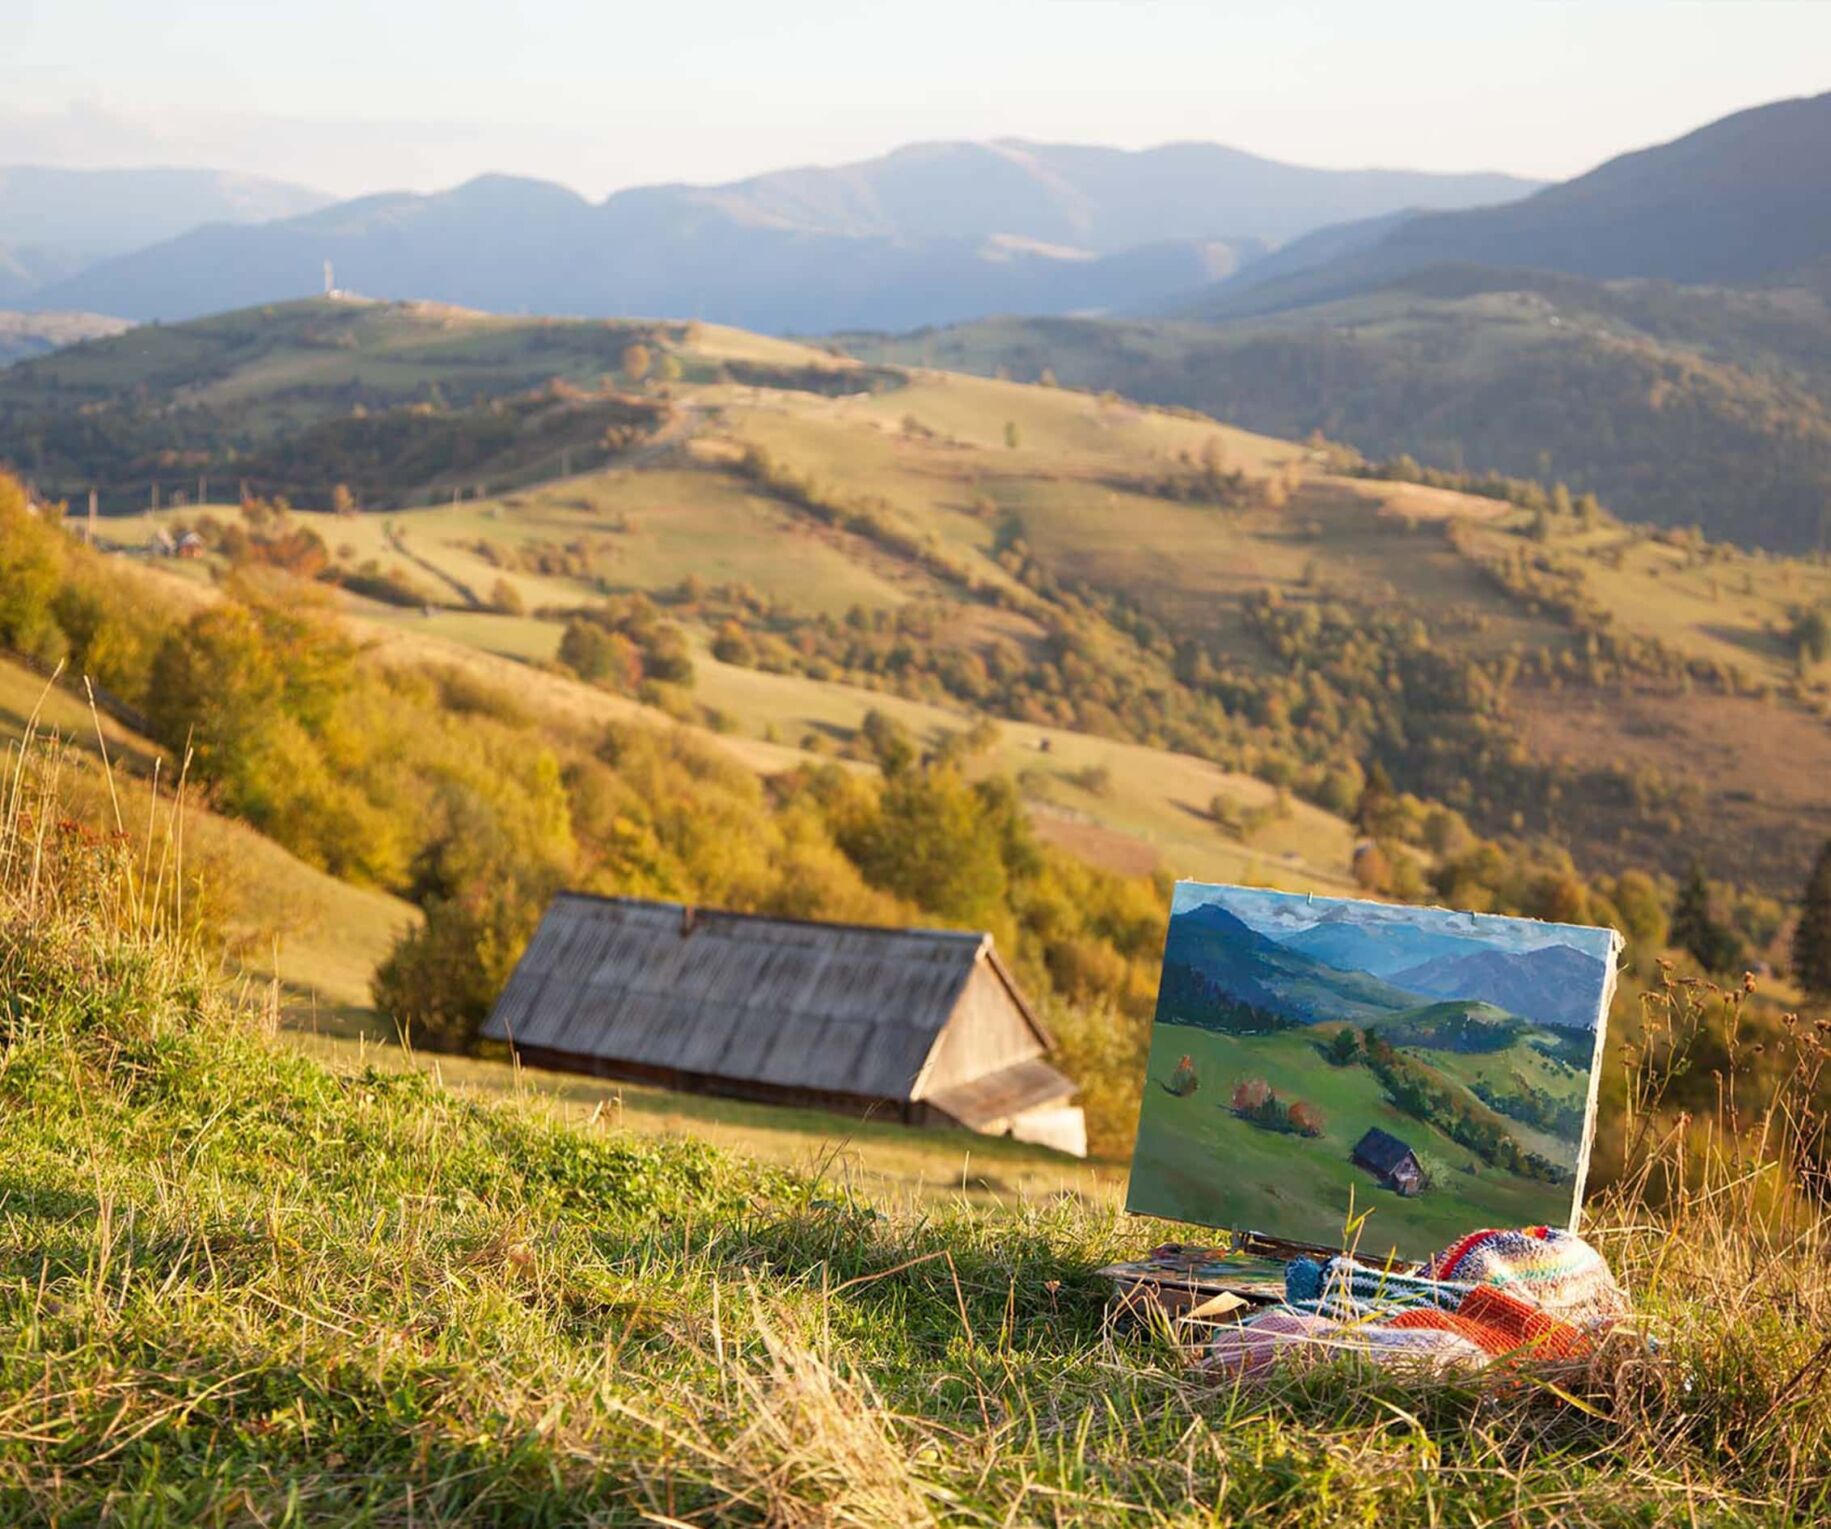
point(1377, 799)
point(636, 362)
point(1812, 935)
point(932, 841)
point(1712, 945)
point(1250, 1094)
point(1810, 635)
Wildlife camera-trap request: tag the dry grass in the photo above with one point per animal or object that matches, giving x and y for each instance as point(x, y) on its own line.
point(236, 1287)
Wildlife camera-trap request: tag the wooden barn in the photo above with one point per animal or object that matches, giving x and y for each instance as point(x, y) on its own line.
point(924, 1026)
point(1390, 1160)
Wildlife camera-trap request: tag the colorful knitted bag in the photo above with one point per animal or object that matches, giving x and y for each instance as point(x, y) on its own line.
point(1550, 1268)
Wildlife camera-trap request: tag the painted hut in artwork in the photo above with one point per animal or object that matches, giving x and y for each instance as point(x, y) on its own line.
point(1390, 1160)
point(922, 1026)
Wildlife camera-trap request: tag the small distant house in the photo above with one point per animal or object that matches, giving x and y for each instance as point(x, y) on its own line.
point(922, 1026)
point(190, 545)
point(1390, 1160)
point(160, 543)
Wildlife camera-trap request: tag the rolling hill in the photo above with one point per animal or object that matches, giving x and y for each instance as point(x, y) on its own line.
point(933, 546)
point(1657, 332)
point(23, 335)
point(930, 233)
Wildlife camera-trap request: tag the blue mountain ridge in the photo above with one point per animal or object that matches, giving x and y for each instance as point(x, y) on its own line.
point(1555, 985)
point(1383, 972)
point(1230, 957)
point(1381, 950)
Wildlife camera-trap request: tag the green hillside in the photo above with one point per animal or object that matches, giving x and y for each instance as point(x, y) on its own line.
point(1677, 406)
point(1307, 1187)
point(246, 1287)
point(1075, 563)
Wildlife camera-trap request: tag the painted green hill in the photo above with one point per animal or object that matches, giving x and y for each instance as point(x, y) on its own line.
point(1458, 1025)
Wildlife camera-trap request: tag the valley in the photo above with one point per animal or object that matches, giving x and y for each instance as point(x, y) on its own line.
point(900, 499)
point(732, 737)
point(1182, 648)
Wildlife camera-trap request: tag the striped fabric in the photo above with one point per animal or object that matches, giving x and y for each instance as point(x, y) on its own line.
point(1348, 1291)
point(1552, 1269)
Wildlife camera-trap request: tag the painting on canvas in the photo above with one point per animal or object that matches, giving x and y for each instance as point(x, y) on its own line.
point(1356, 1074)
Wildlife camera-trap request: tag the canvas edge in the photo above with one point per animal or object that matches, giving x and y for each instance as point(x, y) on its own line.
point(1580, 1178)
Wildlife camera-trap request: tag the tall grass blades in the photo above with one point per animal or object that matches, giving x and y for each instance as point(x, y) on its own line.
point(238, 1287)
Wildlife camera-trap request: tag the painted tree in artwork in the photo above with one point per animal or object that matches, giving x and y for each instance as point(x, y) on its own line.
point(1305, 1118)
point(1812, 936)
point(1250, 1094)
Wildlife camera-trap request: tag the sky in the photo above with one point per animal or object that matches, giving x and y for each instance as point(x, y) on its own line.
point(352, 97)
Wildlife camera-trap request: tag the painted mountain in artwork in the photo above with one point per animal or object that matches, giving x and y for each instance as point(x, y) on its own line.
point(1554, 985)
point(1215, 962)
point(1358, 947)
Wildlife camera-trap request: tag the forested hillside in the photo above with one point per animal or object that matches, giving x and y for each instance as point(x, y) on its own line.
point(1655, 332)
point(944, 649)
point(1677, 406)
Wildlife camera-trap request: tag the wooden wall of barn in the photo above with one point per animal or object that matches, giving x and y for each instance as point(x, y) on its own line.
point(987, 1031)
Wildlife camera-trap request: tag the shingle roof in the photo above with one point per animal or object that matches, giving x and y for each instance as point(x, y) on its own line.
point(840, 1007)
point(1380, 1151)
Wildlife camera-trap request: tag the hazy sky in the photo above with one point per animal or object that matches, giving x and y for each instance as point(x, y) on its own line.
point(355, 95)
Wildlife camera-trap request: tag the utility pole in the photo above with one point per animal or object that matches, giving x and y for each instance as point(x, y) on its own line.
point(330, 285)
point(155, 493)
point(92, 515)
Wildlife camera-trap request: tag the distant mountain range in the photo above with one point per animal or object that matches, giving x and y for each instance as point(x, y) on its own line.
point(1657, 331)
point(55, 222)
point(1230, 958)
point(1351, 946)
point(931, 233)
point(1743, 201)
point(1554, 985)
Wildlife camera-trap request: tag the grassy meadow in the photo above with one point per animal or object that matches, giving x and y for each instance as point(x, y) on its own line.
point(239, 1285)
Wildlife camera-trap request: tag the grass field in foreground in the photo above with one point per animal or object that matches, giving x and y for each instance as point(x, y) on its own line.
point(883, 1161)
point(240, 1287)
